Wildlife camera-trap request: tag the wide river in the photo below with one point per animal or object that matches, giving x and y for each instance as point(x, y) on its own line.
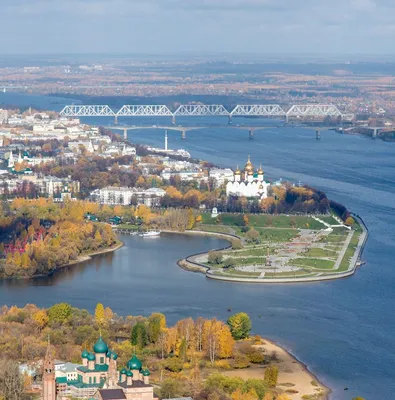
point(343, 330)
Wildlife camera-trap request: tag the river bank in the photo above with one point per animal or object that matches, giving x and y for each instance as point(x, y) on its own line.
point(80, 259)
point(294, 376)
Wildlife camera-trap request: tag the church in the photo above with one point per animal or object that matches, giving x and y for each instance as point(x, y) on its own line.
point(97, 378)
point(249, 183)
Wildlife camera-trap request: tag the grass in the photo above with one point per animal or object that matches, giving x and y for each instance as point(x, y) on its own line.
point(248, 253)
point(128, 227)
point(318, 252)
point(274, 221)
point(345, 263)
point(278, 235)
point(331, 238)
point(312, 263)
point(214, 228)
point(234, 272)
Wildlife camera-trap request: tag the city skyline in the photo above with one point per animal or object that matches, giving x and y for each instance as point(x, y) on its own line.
point(173, 26)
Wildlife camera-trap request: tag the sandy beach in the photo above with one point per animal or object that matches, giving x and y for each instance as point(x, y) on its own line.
point(294, 377)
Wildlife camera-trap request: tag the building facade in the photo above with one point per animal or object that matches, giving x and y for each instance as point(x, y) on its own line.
point(249, 183)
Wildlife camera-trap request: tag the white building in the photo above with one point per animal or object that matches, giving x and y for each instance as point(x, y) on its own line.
point(123, 195)
point(249, 183)
point(221, 175)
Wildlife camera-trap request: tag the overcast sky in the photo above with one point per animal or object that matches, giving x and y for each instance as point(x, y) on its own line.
point(171, 26)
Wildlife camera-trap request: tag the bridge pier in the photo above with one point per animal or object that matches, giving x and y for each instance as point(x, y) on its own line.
point(116, 120)
point(374, 132)
point(317, 134)
point(230, 119)
point(183, 134)
point(125, 133)
point(251, 134)
point(173, 119)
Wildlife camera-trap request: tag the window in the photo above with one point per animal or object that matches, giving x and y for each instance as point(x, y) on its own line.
point(94, 379)
point(90, 380)
point(101, 360)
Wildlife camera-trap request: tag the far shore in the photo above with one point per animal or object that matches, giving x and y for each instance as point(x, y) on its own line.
point(80, 259)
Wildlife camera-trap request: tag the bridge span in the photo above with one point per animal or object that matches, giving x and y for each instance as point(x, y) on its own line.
point(298, 111)
point(184, 129)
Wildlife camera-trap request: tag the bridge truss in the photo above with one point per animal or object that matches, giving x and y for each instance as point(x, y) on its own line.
point(87, 111)
point(144, 111)
point(262, 110)
point(201, 110)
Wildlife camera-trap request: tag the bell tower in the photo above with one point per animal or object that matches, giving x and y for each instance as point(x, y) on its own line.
point(49, 384)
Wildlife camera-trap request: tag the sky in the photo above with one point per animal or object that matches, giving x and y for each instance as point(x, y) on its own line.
point(203, 26)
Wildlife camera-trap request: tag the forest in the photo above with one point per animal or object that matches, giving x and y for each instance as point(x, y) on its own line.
point(188, 358)
point(38, 236)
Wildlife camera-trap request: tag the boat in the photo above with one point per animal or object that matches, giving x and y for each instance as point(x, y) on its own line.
point(150, 234)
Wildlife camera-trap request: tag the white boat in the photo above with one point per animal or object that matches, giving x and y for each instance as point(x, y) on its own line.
point(150, 234)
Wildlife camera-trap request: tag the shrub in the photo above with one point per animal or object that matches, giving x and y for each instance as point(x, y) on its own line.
point(256, 357)
point(241, 361)
point(271, 376)
point(214, 257)
point(237, 244)
point(222, 364)
point(173, 364)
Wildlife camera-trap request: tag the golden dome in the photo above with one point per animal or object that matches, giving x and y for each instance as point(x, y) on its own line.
point(260, 170)
point(250, 173)
point(237, 172)
point(249, 166)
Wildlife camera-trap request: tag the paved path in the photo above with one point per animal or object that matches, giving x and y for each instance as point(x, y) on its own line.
point(343, 250)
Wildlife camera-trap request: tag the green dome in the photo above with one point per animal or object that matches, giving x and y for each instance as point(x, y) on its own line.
point(146, 372)
point(134, 363)
point(91, 357)
point(100, 346)
point(129, 373)
point(123, 371)
point(109, 353)
point(84, 354)
point(114, 356)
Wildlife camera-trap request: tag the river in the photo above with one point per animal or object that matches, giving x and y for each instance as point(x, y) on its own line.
point(343, 330)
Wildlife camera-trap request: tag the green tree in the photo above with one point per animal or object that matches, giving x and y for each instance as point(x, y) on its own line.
point(240, 325)
point(139, 335)
point(229, 263)
point(156, 324)
point(60, 313)
point(271, 375)
point(182, 353)
point(171, 388)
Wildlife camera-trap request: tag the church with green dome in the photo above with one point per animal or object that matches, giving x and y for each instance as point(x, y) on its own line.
point(98, 377)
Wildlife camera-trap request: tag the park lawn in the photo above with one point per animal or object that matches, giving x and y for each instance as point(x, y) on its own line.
point(287, 274)
point(318, 252)
point(274, 221)
point(128, 227)
point(331, 238)
point(250, 260)
point(214, 228)
point(312, 263)
point(231, 271)
point(277, 235)
point(247, 253)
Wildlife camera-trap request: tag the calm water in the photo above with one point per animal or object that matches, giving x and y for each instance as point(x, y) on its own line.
point(343, 330)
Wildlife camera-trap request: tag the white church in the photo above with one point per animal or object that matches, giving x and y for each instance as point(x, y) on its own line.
point(249, 183)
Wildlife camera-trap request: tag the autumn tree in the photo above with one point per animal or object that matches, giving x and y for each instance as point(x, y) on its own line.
point(240, 325)
point(100, 317)
point(40, 319)
point(271, 375)
point(156, 324)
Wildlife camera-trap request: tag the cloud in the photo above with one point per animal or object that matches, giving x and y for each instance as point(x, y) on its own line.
point(197, 25)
